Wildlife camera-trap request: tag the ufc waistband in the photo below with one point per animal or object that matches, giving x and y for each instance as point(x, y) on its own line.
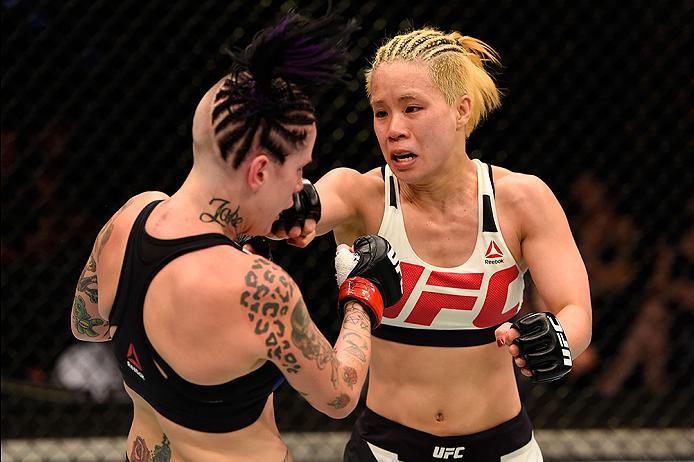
point(412, 445)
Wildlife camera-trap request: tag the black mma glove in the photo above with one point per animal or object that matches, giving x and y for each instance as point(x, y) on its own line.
point(543, 346)
point(306, 205)
point(260, 245)
point(374, 279)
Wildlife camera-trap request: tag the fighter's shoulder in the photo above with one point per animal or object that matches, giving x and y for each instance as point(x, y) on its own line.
point(257, 281)
point(140, 200)
point(350, 177)
point(120, 222)
point(136, 203)
point(352, 186)
point(519, 192)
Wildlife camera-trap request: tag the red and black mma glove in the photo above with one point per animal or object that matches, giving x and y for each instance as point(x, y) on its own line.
point(259, 244)
point(306, 205)
point(374, 281)
point(544, 346)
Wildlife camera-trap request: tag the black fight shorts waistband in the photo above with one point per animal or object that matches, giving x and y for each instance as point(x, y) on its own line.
point(414, 445)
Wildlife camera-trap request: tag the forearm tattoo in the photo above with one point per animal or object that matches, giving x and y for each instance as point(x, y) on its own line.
point(355, 317)
point(311, 345)
point(350, 376)
point(267, 297)
point(339, 402)
point(356, 345)
point(224, 215)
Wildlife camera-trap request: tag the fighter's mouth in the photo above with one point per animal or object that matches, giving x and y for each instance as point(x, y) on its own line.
point(403, 156)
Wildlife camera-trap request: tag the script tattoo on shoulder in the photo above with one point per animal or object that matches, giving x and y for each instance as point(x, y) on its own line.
point(223, 215)
point(267, 296)
point(313, 347)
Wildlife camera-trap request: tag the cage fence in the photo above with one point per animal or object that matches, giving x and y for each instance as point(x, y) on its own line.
point(97, 106)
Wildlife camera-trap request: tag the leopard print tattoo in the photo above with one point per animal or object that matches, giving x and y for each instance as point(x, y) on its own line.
point(267, 298)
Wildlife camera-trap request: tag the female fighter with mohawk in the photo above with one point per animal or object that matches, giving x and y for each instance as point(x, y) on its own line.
point(204, 332)
point(441, 383)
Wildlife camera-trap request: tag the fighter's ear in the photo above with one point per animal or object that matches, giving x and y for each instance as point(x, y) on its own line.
point(257, 173)
point(464, 111)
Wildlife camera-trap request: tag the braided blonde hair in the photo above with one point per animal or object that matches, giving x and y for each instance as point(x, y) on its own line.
point(456, 65)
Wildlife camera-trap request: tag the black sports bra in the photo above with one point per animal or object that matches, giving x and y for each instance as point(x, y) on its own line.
point(216, 408)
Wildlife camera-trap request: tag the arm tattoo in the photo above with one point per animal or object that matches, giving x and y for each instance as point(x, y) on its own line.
point(350, 376)
point(339, 402)
point(86, 281)
point(84, 323)
point(355, 317)
point(91, 264)
point(105, 233)
point(357, 346)
point(223, 215)
point(312, 346)
point(103, 237)
point(267, 298)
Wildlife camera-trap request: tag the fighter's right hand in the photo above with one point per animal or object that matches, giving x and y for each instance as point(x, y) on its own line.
point(297, 224)
point(370, 275)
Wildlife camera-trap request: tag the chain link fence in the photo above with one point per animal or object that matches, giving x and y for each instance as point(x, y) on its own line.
point(97, 103)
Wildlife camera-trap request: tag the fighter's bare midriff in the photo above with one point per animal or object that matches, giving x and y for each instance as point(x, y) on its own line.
point(442, 391)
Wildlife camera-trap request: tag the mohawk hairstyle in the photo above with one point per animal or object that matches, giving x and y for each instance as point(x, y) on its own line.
point(267, 89)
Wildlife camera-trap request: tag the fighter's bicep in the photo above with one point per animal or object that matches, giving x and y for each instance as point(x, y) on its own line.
point(549, 249)
point(338, 190)
point(289, 338)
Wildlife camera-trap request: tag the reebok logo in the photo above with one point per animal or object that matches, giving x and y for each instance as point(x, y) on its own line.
point(133, 361)
point(444, 453)
point(493, 255)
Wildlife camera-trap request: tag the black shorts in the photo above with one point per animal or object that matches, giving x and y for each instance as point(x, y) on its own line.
point(393, 441)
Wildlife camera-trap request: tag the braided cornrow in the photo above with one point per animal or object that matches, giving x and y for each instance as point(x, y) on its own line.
point(265, 97)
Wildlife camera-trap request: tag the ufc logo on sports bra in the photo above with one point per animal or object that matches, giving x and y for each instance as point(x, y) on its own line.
point(430, 301)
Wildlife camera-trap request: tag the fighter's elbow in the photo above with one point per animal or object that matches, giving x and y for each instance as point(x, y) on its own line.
point(341, 407)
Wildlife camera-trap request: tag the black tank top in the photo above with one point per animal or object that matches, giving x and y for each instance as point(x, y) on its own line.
point(215, 409)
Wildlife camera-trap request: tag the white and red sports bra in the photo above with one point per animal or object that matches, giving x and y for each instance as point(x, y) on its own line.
point(452, 307)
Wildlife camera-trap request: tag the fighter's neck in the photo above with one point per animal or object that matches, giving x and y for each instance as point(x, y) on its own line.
point(447, 189)
point(220, 208)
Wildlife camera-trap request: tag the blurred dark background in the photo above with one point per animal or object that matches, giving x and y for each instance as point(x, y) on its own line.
point(97, 103)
